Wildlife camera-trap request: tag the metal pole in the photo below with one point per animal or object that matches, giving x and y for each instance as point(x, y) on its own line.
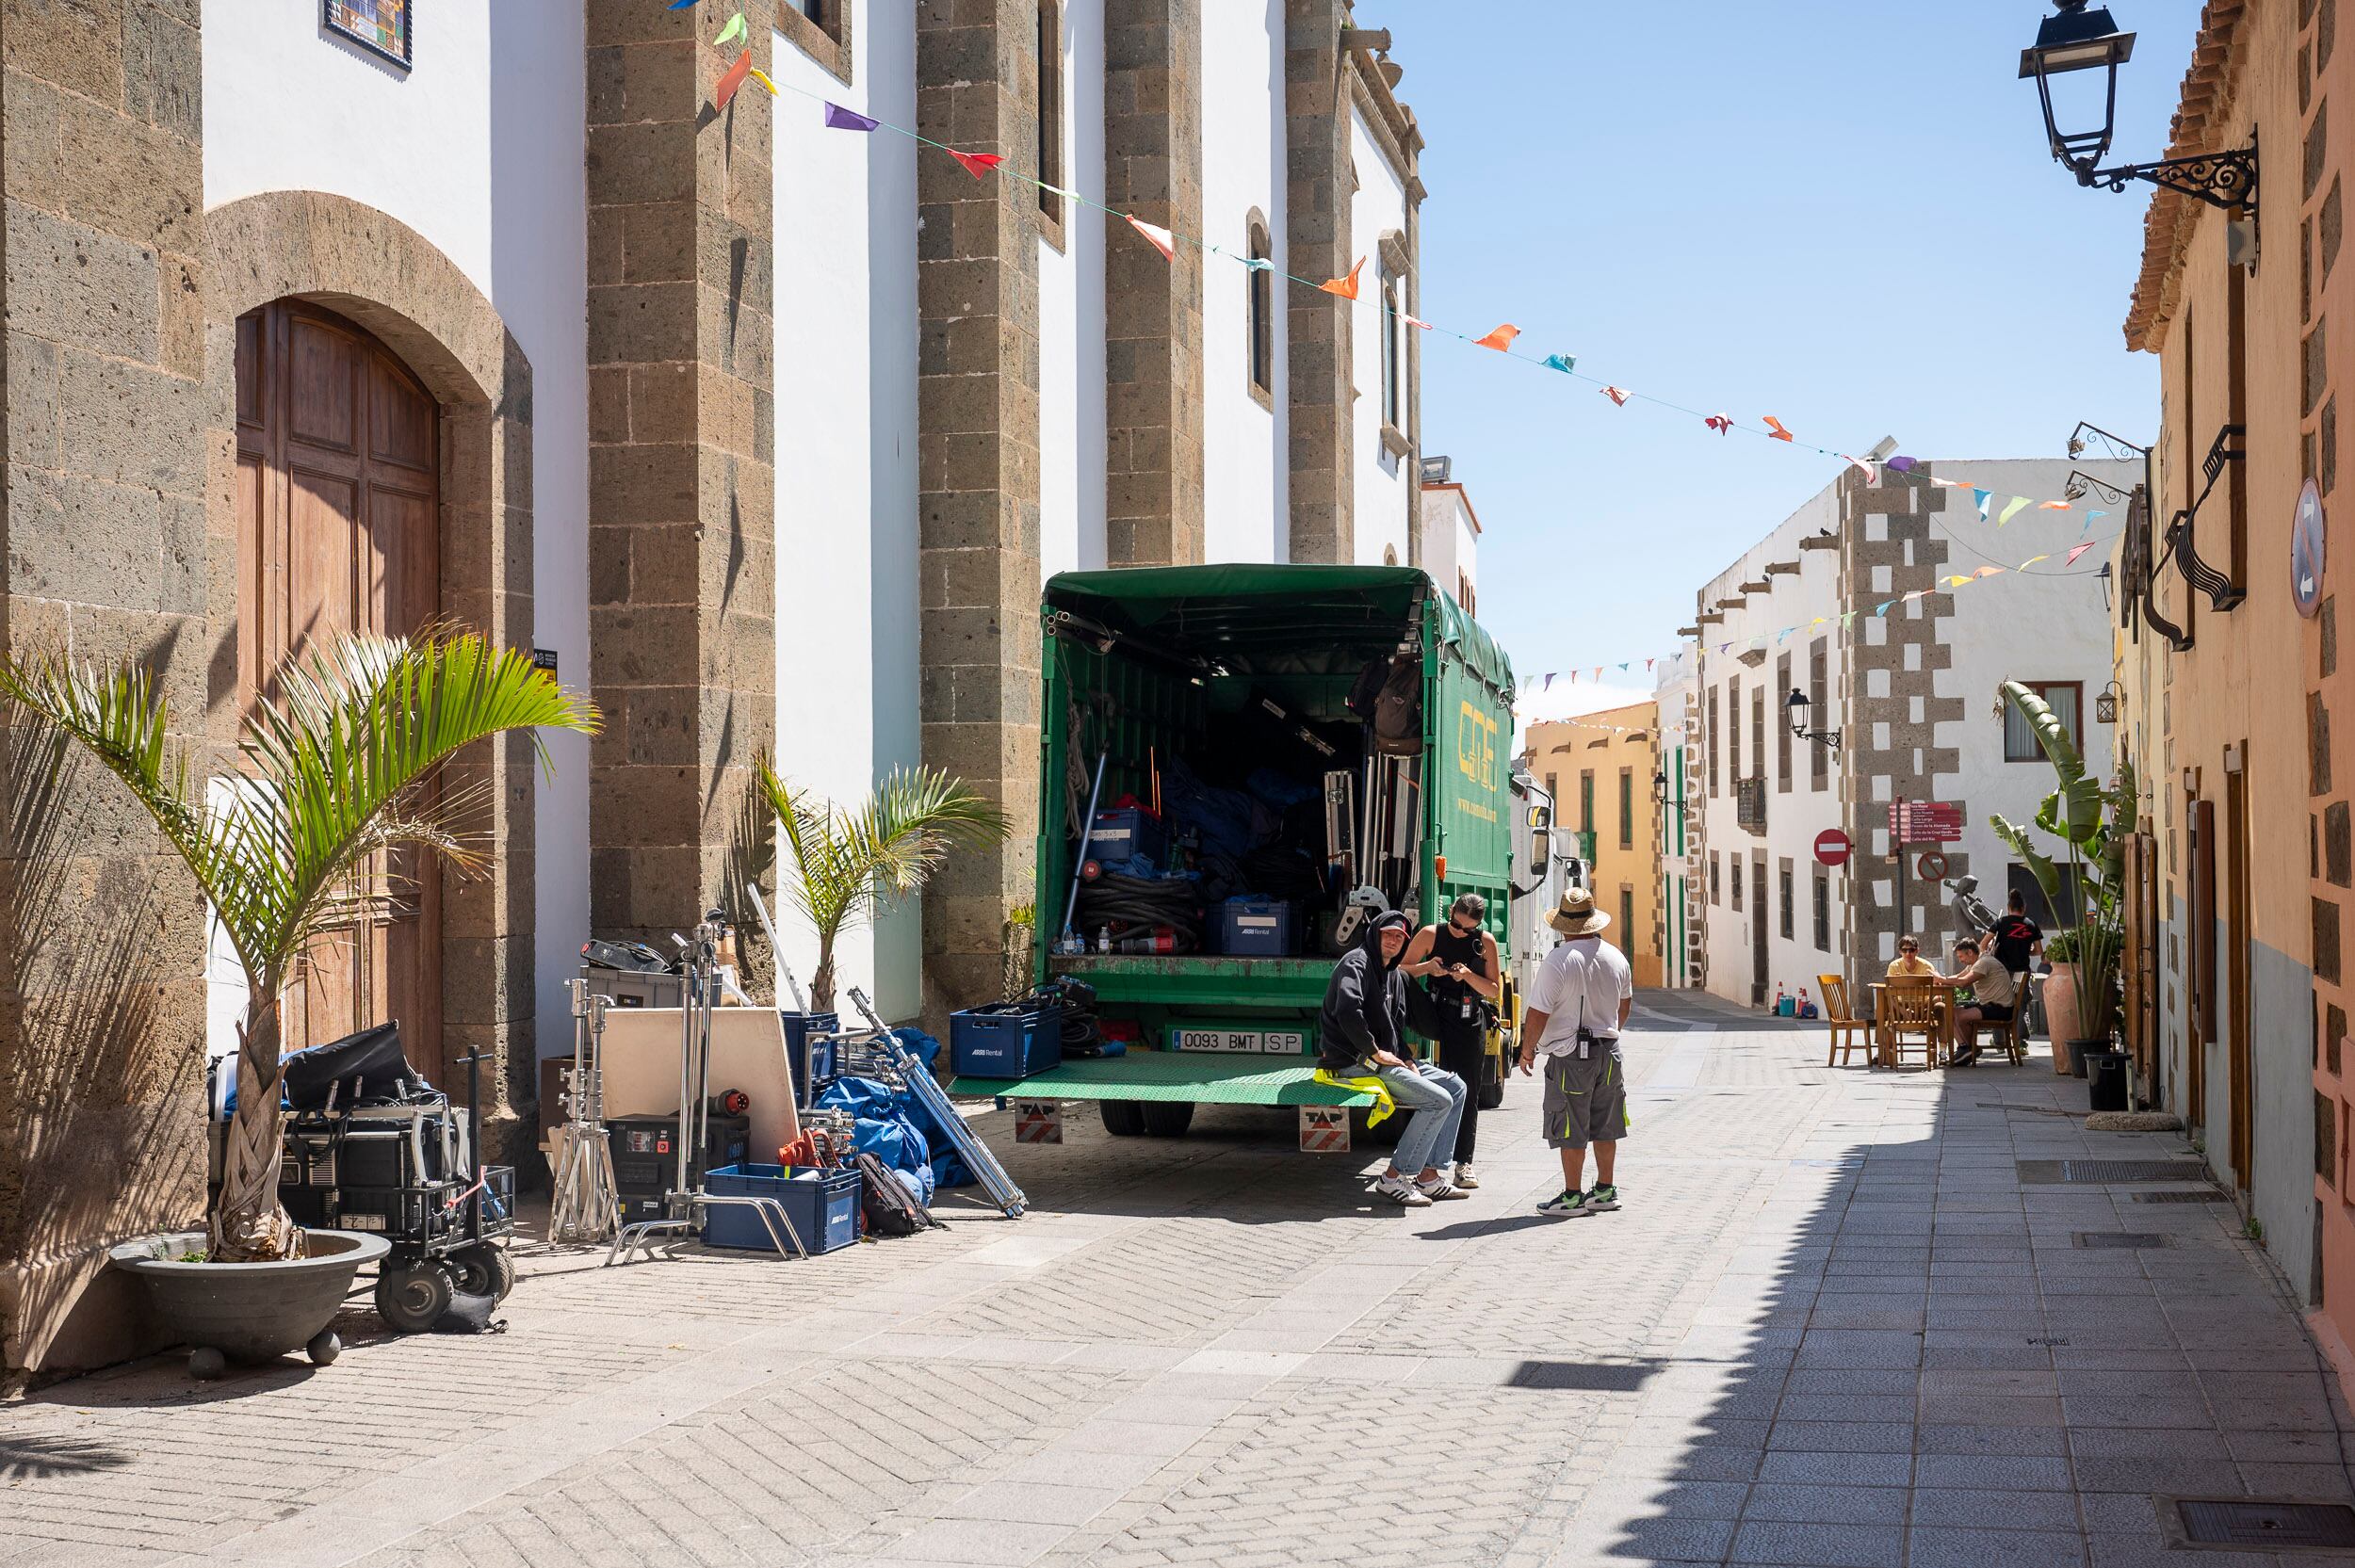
point(1087, 836)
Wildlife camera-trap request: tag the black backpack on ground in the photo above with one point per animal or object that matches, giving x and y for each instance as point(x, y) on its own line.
point(884, 1206)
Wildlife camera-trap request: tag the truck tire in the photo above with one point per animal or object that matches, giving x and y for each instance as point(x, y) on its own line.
point(1122, 1118)
point(1491, 1094)
point(1168, 1118)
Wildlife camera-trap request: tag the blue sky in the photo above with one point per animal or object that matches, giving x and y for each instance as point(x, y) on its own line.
point(1838, 212)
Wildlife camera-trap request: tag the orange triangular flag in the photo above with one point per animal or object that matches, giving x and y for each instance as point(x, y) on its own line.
point(734, 79)
point(2052, 506)
point(976, 164)
point(1776, 431)
point(1499, 340)
point(1162, 240)
point(1345, 287)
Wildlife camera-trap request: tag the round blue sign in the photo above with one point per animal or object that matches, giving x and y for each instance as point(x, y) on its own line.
point(2306, 551)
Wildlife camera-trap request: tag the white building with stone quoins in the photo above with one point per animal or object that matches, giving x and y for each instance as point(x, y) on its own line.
point(1911, 692)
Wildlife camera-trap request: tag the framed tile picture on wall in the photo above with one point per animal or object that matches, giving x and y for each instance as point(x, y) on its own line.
point(379, 26)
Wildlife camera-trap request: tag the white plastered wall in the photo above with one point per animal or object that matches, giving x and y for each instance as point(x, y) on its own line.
point(1383, 486)
point(1245, 480)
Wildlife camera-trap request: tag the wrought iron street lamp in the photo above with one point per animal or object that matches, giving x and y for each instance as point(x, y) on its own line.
point(2086, 38)
point(1797, 706)
point(1659, 787)
point(2105, 703)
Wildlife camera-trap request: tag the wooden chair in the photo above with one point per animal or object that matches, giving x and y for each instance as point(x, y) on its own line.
point(1847, 1030)
point(1911, 1008)
point(2011, 1037)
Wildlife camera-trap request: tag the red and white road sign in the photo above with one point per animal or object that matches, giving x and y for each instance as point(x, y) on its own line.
point(1037, 1122)
point(1833, 848)
point(1324, 1129)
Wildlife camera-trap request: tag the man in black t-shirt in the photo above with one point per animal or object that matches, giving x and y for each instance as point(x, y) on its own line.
point(2018, 940)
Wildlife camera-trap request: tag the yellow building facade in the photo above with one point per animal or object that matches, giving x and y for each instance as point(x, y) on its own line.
point(1601, 770)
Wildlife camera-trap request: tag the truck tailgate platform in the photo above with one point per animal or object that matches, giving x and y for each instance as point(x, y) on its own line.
point(1204, 1079)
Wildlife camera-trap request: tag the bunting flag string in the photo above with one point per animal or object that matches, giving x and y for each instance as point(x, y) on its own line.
point(1499, 339)
point(1762, 639)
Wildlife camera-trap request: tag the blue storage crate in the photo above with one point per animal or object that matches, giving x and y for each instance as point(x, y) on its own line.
point(821, 1063)
point(823, 1206)
point(1126, 832)
point(1005, 1039)
point(1256, 928)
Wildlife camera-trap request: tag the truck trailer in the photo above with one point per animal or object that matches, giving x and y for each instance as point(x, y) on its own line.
point(1239, 765)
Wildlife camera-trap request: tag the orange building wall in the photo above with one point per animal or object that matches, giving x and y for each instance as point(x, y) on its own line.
point(1605, 743)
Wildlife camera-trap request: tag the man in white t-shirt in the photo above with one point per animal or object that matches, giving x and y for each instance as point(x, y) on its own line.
point(1577, 1005)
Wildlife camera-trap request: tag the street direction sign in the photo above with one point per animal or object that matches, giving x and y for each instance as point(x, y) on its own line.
point(1925, 822)
point(1833, 848)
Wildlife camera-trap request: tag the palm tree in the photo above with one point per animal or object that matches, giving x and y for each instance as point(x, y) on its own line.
point(848, 864)
point(335, 770)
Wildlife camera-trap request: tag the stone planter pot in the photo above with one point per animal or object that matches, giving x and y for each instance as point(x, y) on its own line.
point(2060, 1013)
point(249, 1311)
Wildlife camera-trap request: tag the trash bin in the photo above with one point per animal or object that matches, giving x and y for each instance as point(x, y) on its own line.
point(2105, 1080)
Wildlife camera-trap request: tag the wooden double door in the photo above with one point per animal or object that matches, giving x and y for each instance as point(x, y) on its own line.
point(338, 531)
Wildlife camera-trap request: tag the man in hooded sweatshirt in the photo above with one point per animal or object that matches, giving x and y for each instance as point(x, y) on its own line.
point(1362, 1034)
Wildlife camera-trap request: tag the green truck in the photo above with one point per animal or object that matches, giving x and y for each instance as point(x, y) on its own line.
point(1317, 741)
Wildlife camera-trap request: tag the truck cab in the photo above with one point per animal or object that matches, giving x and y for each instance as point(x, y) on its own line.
point(1239, 765)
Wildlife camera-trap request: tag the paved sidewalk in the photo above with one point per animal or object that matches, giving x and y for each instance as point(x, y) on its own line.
point(1833, 1326)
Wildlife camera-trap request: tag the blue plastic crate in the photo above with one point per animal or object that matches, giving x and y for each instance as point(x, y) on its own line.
point(1256, 928)
point(823, 1206)
point(822, 1064)
point(1125, 833)
point(1005, 1039)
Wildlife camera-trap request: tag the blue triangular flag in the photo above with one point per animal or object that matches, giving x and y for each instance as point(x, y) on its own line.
point(1982, 497)
point(1563, 362)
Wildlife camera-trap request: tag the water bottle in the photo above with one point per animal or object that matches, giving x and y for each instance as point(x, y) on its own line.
point(1103, 939)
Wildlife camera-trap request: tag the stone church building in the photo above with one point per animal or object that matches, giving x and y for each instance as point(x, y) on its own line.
point(766, 430)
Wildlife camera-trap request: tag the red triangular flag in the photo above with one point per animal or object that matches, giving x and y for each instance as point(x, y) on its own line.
point(976, 164)
point(2070, 559)
point(1618, 395)
point(1718, 423)
point(1162, 240)
point(1345, 287)
point(1499, 340)
point(734, 79)
point(1776, 431)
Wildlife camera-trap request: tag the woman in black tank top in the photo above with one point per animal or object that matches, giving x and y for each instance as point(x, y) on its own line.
point(1437, 951)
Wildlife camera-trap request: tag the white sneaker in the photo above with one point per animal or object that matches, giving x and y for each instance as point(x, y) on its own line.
point(1440, 1190)
point(1466, 1176)
point(1398, 1189)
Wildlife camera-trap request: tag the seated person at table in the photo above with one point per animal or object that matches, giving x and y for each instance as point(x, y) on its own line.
point(1993, 995)
point(1910, 963)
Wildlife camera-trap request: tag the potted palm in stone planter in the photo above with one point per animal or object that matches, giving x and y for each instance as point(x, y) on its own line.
point(2091, 820)
point(333, 772)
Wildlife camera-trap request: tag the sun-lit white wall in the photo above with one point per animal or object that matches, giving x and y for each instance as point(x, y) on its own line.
point(478, 148)
point(1246, 464)
point(1071, 318)
point(846, 455)
point(1384, 487)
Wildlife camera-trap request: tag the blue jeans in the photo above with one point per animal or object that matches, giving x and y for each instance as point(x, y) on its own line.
point(1436, 1100)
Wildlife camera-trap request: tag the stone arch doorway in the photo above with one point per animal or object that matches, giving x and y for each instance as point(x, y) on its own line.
point(332, 259)
point(339, 532)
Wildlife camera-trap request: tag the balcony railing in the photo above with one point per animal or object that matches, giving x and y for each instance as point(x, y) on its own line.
point(1749, 803)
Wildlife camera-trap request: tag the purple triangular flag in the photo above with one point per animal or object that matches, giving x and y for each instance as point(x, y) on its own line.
point(840, 119)
point(1902, 465)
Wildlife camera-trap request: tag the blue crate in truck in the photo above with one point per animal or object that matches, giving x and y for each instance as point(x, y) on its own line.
point(1125, 834)
point(1005, 1039)
point(1256, 928)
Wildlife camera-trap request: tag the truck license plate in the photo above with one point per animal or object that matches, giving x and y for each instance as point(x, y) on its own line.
point(1272, 1042)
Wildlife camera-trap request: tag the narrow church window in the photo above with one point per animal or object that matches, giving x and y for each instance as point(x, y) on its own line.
point(1050, 130)
point(1260, 309)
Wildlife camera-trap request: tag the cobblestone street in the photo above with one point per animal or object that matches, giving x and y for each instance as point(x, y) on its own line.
point(1837, 1323)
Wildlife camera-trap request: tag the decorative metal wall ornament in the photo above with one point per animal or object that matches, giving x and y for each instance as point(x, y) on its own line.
point(380, 26)
point(2223, 593)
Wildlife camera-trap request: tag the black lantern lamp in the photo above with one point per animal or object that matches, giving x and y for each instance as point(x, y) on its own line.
point(2106, 703)
point(2083, 38)
point(1659, 787)
point(1797, 706)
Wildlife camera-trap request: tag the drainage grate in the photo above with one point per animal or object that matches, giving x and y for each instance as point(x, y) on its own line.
point(2268, 1526)
point(2205, 1195)
point(2039, 1172)
point(2124, 1241)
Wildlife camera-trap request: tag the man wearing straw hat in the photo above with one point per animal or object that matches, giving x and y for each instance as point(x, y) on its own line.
point(1577, 1005)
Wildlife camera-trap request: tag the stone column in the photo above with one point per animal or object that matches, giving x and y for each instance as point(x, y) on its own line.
point(1152, 306)
point(103, 549)
point(977, 467)
point(682, 557)
point(1318, 189)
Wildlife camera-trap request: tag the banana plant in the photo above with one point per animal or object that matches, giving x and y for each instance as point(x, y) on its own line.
point(2091, 820)
point(333, 771)
point(848, 864)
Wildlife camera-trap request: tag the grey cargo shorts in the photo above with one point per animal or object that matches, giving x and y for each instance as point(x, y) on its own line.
point(1585, 1098)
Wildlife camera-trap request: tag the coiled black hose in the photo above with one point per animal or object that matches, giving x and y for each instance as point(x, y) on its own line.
point(1122, 902)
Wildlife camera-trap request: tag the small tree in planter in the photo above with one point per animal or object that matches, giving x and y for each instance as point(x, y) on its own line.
point(335, 770)
point(2092, 821)
point(846, 864)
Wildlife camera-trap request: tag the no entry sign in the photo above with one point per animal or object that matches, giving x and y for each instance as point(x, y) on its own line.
point(1833, 848)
